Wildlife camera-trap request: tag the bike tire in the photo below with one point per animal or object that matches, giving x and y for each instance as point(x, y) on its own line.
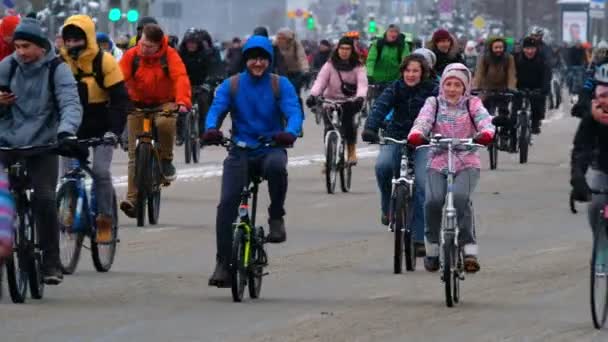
point(599, 297)
point(524, 139)
point(398, 220)
point(346, 172)
point(493, 150)
point(70, 243)
point(196, 140)
point(256, 270)
point(143, 179)
point(331, 163)
point(187, 138)
point(103, 254)
point(35, 261)
point(458, 268)
point(448, 278)
point(154, 196)
point(238, 272)
point(16, 270)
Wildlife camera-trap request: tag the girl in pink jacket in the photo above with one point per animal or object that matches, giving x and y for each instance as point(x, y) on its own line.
point(453, 114)
point(343, 77)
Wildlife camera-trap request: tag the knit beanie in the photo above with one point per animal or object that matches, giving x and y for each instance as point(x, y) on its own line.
point(428, 55)
point(73, 32)
point(441, 34)
point(460, 72)
point(8, 26)
point(346, 41)
point(30, 30)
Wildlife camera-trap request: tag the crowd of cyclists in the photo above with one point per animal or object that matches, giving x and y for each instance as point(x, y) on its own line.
point(86, 85)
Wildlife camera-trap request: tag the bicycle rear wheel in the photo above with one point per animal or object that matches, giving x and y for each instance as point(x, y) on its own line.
point(448, 272)
point(103, 253)
point(599, 278)
point(331, 161)
point(238, 270)
point(187, 137)
point(70, 242)
point(524, 138)
point(35, 259)
point(154, 196)
point(143, 179)
point(17, 264)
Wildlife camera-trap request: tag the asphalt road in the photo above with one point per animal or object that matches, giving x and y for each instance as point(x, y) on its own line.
point(332, 280)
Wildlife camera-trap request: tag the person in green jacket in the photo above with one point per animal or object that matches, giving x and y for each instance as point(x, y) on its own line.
point(385, 56)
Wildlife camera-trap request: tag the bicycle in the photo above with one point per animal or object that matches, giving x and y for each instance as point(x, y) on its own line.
point(191, 133)
point(77, 210)
point(599, 264)
point(576, 75)
point(148, 175)
point(524, 123)
point(335, 153)
point(23, 267)
point(402, 209)
point(248, 256)
point(451, 255)
point(503, 136)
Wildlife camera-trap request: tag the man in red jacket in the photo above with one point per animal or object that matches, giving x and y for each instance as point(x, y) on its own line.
point(7, 29)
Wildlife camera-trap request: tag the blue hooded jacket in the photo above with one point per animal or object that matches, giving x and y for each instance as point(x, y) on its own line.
point(254, 110)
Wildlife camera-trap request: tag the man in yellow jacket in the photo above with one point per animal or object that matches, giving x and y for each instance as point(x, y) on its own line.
point(104, 99)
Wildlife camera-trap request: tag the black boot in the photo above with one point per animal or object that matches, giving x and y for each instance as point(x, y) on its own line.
point(277, 231)
point(221, 275)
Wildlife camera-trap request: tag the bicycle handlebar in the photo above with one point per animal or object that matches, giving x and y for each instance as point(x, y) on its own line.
point(455, 142)
point(395, 141)
point(30, 148)
point(494, 92)
point(264, 142)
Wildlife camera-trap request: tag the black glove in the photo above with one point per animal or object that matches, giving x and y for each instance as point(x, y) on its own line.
point(110, 139)
point(369, 135)
point(311, 101)
point(213, 136)
point(578, 110)
point(580, 190)
point(284, 139)
point(68, 146)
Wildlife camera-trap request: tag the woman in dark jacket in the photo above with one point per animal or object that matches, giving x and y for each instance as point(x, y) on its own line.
point(405, 98)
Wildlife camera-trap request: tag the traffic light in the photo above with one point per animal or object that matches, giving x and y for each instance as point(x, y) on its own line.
point(310, 23)
point(133, 15)
point(372, 26)
point(114, 14)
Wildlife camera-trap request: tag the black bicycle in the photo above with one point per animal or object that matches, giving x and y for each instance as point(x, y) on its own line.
point(191, 133)
point(402, 209)
point(77, 210)
point(599, 264)
point(524, 123)
point(23, 267)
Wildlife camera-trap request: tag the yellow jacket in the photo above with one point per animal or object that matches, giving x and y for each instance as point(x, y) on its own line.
point(112, 73)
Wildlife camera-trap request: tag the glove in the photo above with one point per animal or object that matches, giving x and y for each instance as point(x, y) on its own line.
point(110, 138)
point(416, 138)
point(213, 136)
point(311, 101)
point(577, 110)
point(68, 146)
point(580, 190)
point(484, 138)
point(369, 135)
point(284, 139)
point(182, 109)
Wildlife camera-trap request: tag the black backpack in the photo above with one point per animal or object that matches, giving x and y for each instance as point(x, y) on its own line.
point(97, 71)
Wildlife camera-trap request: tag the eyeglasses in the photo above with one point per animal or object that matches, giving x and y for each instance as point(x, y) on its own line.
point(257, 60)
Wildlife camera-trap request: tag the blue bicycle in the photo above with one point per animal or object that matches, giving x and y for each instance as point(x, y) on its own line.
point(77, 210)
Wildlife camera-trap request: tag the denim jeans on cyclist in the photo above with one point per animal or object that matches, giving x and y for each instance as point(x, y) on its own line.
point(465, 182)
point(388, 164)
point(599, 181)
point(272, 166)
point(104, 191)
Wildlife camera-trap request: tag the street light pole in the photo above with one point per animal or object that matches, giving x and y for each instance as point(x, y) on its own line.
point(519, 14)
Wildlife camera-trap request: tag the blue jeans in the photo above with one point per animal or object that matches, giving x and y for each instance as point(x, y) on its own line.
point(388, 165)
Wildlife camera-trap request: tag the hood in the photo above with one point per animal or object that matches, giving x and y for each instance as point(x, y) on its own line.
point(493, 40)
point(451, 53)
point(259, 42)
point(86, 24)
point(287, 32)
point(459, 71)
point(104, 37)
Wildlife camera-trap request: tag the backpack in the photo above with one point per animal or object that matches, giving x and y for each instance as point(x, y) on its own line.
point(468, 110)
point(380, 47)
point(97, 71)
point(274, 81)
point(53, 64)
point(164, 63)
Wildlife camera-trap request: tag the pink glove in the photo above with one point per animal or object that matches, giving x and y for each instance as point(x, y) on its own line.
point(415, 138)
point(182, 109)
point(484, 138)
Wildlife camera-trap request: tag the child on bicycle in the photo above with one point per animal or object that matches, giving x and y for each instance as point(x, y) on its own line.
point(455, 113)
point(7, 210)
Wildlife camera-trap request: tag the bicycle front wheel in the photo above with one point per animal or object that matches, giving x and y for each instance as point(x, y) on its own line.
point(448, 272)
point(153, 199)
point(195, 140)
point(187, 137)
point(599, 279)
point(346, 172)
point(524, 138)
point(17, 274)
point(399, 214)
point(143, 179)
point(331, 161)
point(103, 253)
point(237, 266)
point(493, 150)
point(256, 267)
point(70, 242)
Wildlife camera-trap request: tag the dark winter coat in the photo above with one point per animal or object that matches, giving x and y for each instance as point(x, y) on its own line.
point(590, 142)
point(405, 101)
point(532, 73)
point(320, 59)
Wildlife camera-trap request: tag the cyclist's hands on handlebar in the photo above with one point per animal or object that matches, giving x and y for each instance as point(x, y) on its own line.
point(370, 136)
point(213, 136)
point(484, 138)
point(284, 139)
point(580, 189)
point(68, 146)
point(110, 138)
point(311, 101)
point(416, 138)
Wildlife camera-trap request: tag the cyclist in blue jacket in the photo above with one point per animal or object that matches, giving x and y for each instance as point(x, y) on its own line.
point(262, 106)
